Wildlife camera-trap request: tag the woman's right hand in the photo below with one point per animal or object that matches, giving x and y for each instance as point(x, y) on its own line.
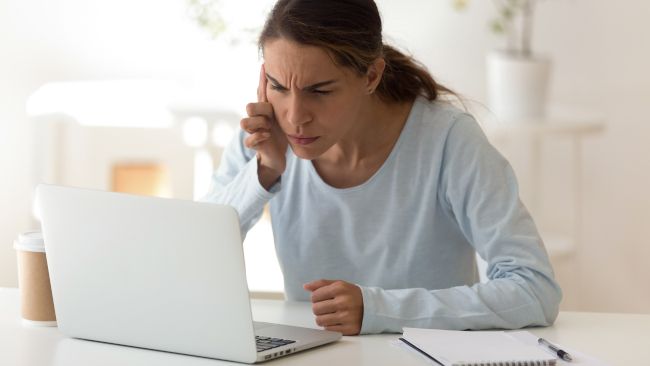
point(266, 137)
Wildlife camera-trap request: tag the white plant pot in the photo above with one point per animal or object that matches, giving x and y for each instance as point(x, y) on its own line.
point(517, 86)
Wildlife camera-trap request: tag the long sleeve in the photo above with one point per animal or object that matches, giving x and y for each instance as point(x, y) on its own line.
point(236, 183)
point(479, 188)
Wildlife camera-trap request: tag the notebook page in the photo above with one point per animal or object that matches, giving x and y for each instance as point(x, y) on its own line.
point(468, 347)
point(579, 358)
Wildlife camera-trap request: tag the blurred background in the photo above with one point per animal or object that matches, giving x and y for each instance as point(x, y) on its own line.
point(142, 96)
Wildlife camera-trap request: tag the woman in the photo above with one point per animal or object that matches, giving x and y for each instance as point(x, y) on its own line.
point(380, 194)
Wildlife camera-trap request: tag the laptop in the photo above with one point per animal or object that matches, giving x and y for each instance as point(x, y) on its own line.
point(156, 273)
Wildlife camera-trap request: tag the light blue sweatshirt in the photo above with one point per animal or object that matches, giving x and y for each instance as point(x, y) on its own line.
point(408, 235)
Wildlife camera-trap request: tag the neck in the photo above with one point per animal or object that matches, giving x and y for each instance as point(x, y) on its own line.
point(377, 128)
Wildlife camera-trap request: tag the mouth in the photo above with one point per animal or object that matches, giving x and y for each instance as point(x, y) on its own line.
point(302, 140)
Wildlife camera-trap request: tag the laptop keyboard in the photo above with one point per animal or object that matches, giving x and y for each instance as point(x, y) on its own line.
point(267, 343)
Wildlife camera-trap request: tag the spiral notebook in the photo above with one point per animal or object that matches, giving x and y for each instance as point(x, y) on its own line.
point(481, 348)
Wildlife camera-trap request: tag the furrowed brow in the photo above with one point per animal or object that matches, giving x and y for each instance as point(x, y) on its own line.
point(319, 85)
point(310, 87)
point(275, 81)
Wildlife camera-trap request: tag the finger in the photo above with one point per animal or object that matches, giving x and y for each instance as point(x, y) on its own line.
point(324, 293)
point(259, 109)
point(254, 124)
point(261, 88)
point(255, 139)
point(329, 320)
point(344, 329)
point(314, 285)
point(324, 307)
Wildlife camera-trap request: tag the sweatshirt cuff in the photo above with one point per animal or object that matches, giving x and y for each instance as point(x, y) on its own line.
point(256, 197)
point(370, 323)
point(252, 170)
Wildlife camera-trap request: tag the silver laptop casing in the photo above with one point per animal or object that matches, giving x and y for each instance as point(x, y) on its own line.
point(155, 273)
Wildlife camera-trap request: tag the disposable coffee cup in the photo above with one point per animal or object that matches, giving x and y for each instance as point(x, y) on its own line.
point(36, 306)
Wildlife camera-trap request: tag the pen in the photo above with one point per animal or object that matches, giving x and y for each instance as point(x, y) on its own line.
point(419, 350)
point(560, 353)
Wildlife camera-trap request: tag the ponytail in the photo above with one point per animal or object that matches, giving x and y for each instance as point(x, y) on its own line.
point(405, 78)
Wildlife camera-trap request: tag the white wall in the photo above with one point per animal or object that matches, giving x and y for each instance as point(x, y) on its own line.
point(600, 63)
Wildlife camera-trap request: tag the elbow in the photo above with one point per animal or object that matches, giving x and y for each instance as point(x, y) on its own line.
point(549, 296)
point(552, 310)
point(543, 297)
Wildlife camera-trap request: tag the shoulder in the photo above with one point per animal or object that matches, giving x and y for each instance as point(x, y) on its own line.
point(442, 121)
point(451, 136)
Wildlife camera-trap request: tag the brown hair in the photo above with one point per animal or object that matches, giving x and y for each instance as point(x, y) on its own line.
point(350, 30)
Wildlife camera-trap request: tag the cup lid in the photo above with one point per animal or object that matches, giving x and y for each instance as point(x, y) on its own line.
point(31, 241)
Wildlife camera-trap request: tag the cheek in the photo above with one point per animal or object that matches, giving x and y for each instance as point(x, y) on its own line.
point(343, 112)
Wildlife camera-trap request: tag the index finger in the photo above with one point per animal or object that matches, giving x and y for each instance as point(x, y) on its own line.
point(315, 285)
point(323, 293)
point(261, 88)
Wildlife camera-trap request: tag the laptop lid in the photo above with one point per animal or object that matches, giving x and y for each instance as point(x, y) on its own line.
point(148, 272)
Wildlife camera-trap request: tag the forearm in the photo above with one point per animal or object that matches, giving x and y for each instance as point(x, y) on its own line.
point(243, 192)
point(507, 303)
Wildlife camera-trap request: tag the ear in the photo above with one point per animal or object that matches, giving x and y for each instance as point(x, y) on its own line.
point(374, 74)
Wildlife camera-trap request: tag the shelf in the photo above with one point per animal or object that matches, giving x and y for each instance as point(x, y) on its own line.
point(561, 127)
point(558, 245)
point(557, 120)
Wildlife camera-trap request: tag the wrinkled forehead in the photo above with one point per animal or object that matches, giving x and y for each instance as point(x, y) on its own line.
point(290, 62)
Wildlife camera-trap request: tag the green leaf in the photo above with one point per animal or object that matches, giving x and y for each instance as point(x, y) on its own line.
point(497, 26)
point(507, 13)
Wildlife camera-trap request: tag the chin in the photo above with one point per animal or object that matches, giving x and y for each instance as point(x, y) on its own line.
point(303, 153)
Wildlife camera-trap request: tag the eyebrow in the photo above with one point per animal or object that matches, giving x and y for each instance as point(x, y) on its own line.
point(309, 87)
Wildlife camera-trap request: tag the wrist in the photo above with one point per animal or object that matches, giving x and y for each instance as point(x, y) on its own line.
point(267, 176)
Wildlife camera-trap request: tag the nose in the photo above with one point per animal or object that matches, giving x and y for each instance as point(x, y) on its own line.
point(297, 113)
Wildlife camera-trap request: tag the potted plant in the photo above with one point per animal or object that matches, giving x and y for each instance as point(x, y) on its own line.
point(230, 21)
point(517, 77)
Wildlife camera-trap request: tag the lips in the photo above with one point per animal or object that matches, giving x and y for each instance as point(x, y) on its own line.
point(302, 140)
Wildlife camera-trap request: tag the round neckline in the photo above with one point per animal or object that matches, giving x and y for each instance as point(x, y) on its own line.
point(391, 156)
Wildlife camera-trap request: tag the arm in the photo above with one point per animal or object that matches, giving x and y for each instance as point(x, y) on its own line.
point(251, 166)
point(479, 187)
point(236, 183)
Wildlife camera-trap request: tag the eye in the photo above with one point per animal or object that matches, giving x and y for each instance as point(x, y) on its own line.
point(321, 92)
point(277, 87)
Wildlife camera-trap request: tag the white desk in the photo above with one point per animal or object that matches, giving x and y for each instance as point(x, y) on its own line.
point(620, 339)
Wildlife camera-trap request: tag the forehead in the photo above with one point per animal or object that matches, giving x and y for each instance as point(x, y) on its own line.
point(296, 62)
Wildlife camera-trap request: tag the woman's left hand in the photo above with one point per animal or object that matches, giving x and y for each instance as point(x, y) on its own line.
point(338, 305)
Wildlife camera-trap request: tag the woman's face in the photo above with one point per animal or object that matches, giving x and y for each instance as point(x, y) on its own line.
point(316, 102)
